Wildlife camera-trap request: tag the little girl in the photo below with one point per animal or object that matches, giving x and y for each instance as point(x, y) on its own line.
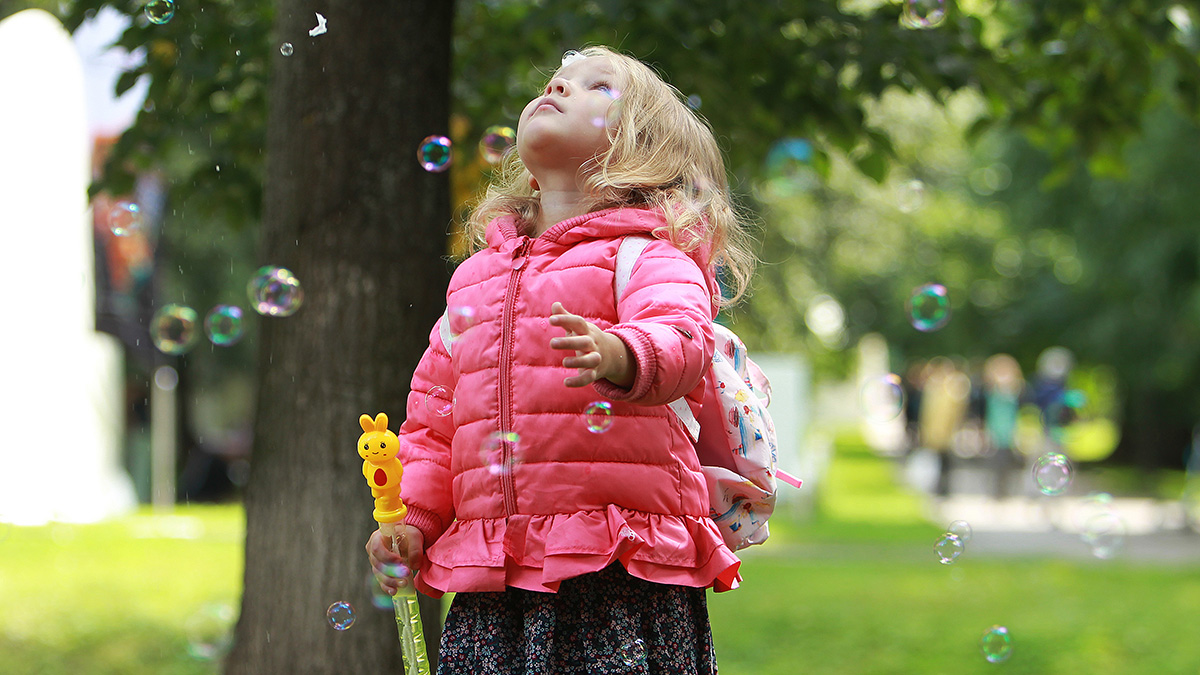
point(571, 548)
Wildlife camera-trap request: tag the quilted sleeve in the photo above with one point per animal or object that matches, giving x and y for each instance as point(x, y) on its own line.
point(425, 443)
point(665, 319)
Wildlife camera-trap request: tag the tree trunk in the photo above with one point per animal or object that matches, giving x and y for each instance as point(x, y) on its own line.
point(351, 213)
point(1151, 436)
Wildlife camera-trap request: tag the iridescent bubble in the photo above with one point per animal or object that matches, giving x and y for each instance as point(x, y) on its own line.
point(1052, 472)
point(286, 49)
point(923, 13)
point(598, 416)
point(632, 652)
point(275, 291)
point(694, 101)
point(928, 307)
point(434, 154)
point(125, 218)
point(160, 11)
point(960, 529)
point(788, 155)
point(223, 325)
point(948, 548)
point(1105, 533)
point(911, 196)
point(882, 397)
point(495, 142)
point(500, 452)
point(612, 116)
point(461, 318)
point(340, 615)
point(379, 598)
point(439, 401)
point(996, 644)
point(210, 632)
point(173, 329)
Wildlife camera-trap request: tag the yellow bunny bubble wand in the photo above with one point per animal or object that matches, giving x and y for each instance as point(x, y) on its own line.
point(378, 447)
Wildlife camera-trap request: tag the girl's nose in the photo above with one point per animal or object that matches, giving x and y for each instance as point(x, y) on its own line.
point(557, 86)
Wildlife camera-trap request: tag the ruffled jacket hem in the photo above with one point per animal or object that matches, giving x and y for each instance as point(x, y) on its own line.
point(538, 552)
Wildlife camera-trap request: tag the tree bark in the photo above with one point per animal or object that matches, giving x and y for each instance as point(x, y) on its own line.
point(363, 227)
point(1151, 439)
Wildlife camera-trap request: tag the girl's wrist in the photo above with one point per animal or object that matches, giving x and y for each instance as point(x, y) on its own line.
point(622, 368)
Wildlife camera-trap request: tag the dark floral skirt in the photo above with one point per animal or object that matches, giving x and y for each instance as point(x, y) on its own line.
point(604, 622)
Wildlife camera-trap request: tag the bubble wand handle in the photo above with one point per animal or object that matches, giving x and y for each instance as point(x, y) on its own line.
point(408, 612)
point(378, 447)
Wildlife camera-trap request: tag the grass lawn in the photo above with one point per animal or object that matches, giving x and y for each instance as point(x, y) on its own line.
point(855, 590)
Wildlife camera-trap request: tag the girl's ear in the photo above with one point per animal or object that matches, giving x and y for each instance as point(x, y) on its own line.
point(381, 422)
point(365, 422)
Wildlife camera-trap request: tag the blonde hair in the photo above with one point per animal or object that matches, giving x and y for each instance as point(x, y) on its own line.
point(662, 156)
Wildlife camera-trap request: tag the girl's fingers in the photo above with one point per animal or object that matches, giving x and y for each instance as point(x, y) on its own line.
point(589, 360)
point(579, 343)
point(584, 378)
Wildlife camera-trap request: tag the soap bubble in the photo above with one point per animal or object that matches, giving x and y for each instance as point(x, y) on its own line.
point(379, 598)
point(948, 548)
point(928, 307)
point(996, 644)
point(461, 318)
point(960, 529)
point(223, 325)
point(612, 116)
point(694, 101)
point(125, 218)
point(286, 49)
point(1105, 533)
point(923, 13)
point(882, 397)
point(173, 329)
point(788, 155)
point(340, 615)
point(160, 11)
point(632, 652)
point(599, 417)
point(210, 632)
point(911, 196)
point(439, 401)
point(500, 452)
point(495, 142)
point(434, 153)
point(275, 291)
point(1052, 472)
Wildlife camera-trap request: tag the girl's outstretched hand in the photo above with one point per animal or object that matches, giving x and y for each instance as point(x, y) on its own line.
point(392, 570)
point(598, 355)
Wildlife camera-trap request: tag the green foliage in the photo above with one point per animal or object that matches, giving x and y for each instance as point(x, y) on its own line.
point(203, 126)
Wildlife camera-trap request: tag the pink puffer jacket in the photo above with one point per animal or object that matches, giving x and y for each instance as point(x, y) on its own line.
point(572, 501)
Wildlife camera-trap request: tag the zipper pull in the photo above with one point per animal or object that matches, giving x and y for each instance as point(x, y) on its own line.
point(519, 254)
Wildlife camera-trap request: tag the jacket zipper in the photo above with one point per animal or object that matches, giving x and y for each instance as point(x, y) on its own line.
point(520, 259)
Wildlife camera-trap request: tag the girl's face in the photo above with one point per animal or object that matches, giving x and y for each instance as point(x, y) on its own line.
point(565, 126)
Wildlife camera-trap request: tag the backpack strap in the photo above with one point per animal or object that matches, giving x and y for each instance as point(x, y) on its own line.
point(444, 330)
point(627, 254)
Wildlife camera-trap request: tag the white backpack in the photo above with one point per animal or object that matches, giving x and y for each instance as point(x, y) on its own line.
point(737, 443)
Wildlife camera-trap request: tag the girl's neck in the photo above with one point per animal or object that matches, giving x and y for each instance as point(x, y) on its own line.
point(557, 206)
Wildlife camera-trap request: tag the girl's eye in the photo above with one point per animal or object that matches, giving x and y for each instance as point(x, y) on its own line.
point(602, 86)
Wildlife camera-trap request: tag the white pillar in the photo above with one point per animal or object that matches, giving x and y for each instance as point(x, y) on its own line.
point(61, 421)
